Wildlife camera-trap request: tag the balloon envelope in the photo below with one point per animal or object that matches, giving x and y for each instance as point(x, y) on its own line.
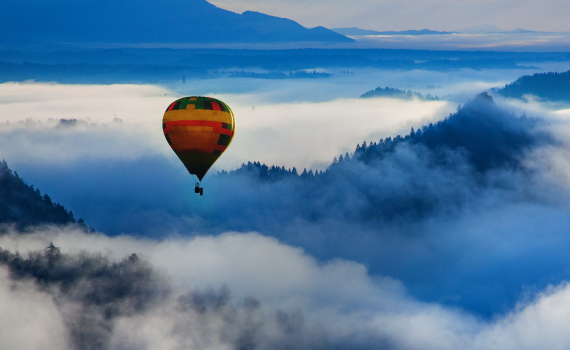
point(199, 129)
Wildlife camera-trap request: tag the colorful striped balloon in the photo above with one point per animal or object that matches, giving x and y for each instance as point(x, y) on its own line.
point(199, 129)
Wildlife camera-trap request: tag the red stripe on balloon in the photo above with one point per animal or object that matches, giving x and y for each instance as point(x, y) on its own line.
point(216, 106)
point(217, 126)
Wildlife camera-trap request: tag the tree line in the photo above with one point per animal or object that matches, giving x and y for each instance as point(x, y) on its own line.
point(488, 136)
point(551, 86)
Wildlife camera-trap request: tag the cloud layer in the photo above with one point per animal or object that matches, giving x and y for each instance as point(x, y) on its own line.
point(219, 295)
point(451, 233)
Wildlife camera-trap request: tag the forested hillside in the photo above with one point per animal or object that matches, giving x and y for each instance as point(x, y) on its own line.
point(486, 135)
point(23, 205)
point(549, 86)
point(397, 93)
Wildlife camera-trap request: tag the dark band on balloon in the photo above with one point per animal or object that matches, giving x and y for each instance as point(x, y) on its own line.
point(224, 140)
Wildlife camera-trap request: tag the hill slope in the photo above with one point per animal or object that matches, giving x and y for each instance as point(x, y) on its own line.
point(551, 86)
point(485, 135)
point(23, 205)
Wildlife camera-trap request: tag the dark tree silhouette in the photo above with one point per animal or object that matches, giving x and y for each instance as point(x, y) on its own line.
point(550, 86)
point(23, 205)
point(397, 93)
point(489, 136)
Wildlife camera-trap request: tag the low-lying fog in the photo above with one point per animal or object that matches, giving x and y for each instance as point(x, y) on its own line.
point(486, 269)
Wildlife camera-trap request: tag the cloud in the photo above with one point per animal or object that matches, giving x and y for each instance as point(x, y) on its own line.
point(452, 223)
point(29, 317)
point(238, 291)
point(282, 128)
point(290, 138)
point(534, 325)
point(427, 217)
point(517, 42)
point(287, 273)
point(120, 304)
point(110, 121)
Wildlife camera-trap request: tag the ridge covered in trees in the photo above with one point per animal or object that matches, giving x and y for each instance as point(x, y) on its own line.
point(23, 205)
point(488, 136)
point(397, 93)
point(550, 86)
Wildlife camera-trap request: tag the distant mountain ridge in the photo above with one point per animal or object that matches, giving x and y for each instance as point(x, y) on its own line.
point(491, 29)
point(481, 29)
point(151, 21)
point(358, 31)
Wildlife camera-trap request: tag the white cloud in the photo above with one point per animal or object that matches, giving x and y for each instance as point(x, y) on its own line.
point(541, 324)
point(521, 42)
point(29, 135)
point(301, 134)
point(29, 318)
point(251, 264)
point(307, 134)
point(339, 295)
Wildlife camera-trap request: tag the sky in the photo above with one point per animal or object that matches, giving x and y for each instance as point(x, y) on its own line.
point(441, 15)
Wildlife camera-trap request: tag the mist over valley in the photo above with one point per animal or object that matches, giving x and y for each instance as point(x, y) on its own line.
point(404, 186)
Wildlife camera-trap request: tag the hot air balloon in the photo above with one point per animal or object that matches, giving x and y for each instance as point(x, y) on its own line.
point(199, 129)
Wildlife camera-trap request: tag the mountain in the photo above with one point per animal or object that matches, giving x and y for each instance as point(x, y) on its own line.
point(491, 29)
point(358, 31)
point(147, 21)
